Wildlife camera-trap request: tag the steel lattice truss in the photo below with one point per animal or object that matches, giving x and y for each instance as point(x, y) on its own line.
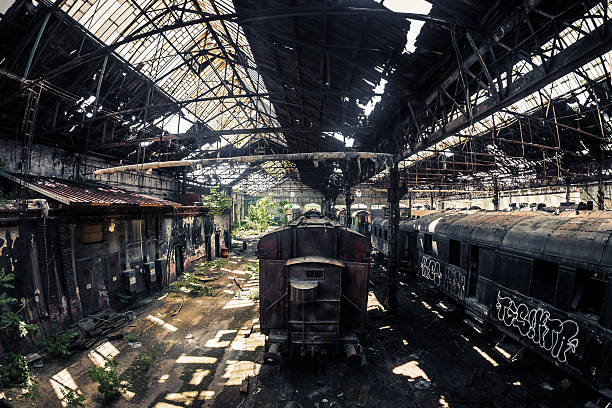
point(526, 104)
point(516, 92)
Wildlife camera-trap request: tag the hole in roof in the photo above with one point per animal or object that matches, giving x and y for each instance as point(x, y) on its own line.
point(410, 6)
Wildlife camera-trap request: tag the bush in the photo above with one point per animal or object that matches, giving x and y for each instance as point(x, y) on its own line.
point(73, 399)
point(58, 344)
point(217, 202)
point(14, 370)
point(258, 218)
point(11, 325)
point(134, 373)
point(109, 385)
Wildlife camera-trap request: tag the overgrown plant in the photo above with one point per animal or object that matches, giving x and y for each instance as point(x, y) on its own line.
point(139, 367)
point(11, 325)
point(283, 206)
point(209, 266)
point(110, 386)
point(73, 398)
point(14, 370)
point(258, 218)
point(191, 284)
point(252, 268)
point(58, 343)
point(217, 201)
point(13, 367)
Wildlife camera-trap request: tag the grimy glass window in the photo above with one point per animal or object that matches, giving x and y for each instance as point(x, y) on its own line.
point(454, 252)
point(589, 290)
point(544, 280)
point(427, 244)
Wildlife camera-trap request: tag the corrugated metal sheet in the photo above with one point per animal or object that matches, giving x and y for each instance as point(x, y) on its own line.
point(72, 194)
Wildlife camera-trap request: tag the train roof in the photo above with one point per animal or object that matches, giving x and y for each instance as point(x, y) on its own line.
point(584, 239)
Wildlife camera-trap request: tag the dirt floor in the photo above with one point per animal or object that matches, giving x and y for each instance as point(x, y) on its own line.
point(424, 356)
point(202, 355)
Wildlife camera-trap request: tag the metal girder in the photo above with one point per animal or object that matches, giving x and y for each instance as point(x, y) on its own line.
point(587, 48)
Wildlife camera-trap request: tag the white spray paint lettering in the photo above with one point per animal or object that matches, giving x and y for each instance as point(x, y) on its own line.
point(553, 335)
point(430, 269)
point(452, 281)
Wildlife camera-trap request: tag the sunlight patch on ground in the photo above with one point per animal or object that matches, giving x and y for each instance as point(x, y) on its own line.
point(238, 303)
point(163, 378)
point(60, 382)
point(411, 369)
point(183, 359)
point(373, 303)
point(217, 342)
point(503, 352)
point(198, 376)
point(185, 397)
point(103, 351)
point(161, 323)
point(206, 395)
point(486, 356)
point(166, 405)
point(236, 371)
point(438, 315)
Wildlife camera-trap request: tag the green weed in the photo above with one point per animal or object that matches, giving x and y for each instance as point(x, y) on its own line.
point(109, 385)
point(58, 344)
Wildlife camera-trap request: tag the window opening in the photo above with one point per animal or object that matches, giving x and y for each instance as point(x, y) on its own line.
point(589, 290)
point(544, 280)
point(454, 252)
point(427, 244)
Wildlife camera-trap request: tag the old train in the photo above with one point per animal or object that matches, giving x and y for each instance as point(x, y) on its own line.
point(313, 288)
point(541, 279)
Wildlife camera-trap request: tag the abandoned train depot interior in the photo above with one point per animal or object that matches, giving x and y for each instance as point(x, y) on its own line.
point(306, 203)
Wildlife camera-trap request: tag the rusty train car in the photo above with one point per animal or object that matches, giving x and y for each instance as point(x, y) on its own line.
point(543, 280)
point(313, 288)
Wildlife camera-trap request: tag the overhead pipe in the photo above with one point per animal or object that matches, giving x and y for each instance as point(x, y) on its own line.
point(248, 159)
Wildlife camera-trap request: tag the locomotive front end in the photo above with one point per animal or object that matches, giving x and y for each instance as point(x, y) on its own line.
point(313, 289)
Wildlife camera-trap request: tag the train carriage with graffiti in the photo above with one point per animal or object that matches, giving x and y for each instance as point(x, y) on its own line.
point(541, 279)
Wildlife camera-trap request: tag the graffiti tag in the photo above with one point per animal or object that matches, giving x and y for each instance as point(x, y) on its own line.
point(430, 269)
point(452, 280)
point(553, 335)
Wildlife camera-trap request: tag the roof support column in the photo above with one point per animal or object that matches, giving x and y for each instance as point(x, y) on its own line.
point(495, 194)
point(348, 198)
point(600, 187)
point(395, 194)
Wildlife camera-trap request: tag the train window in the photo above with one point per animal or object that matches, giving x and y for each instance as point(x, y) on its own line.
point(589, 292)
point(544, 280)
point(314, 273)
point(427, 244)
point(454, 252)
point(386, 235)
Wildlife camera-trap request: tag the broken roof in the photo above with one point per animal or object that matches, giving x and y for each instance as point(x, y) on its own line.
point(73, 194)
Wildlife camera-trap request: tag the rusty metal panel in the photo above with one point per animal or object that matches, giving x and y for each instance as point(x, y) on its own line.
point(354, 297)
point(315, 241)
point(71, 194)
point(87, 290)
point(272, 294)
